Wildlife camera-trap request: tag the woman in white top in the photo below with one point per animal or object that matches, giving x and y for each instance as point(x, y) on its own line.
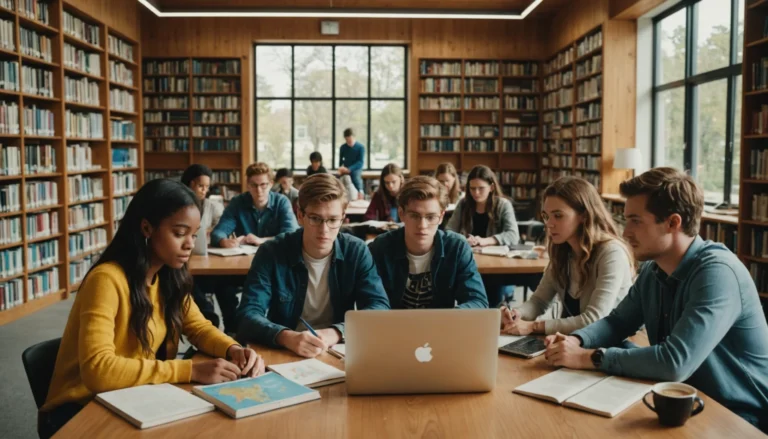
point(198, 178)
point(590, 269)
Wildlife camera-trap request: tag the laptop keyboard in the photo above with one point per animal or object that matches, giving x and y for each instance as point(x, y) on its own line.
point(525, 346)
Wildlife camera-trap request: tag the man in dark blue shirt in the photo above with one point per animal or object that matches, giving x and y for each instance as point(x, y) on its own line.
point(351, 156)
point(255, 216)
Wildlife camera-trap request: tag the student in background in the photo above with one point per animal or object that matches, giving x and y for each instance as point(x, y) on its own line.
point(421, 266)
point(256, 216)
point(314, 273)
point(447, 175)
point(695, 298)
point(590, 268)
point(316, 164)
point(485, 217)
point(133, 306)
point(198, 178)
point(284, 185)
point(383, 205)
point(351, 155)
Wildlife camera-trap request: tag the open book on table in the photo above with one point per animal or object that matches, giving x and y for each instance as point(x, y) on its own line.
point(243, 249)
point(311, 373)
point(590, 391)
point(153, 404)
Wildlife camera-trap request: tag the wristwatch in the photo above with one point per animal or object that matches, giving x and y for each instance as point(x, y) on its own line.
point(597, 357)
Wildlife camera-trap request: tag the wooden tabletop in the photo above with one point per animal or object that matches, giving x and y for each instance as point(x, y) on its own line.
point(239, 265)
point(496, 414)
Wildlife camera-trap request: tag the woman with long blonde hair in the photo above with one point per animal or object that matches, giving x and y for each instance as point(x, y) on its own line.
point(590, 268)
point(447, 175)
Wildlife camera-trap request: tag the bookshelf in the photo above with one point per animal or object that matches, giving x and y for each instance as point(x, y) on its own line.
point(572, 126)
point(56, 151)
point(753, 191)
point(482, 112)
point(193, 115)
point(586, 118)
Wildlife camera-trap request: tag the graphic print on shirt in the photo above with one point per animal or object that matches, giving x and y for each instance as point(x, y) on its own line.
point(418, 290)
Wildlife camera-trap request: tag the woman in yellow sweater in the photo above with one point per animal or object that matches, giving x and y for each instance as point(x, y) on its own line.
point(132, 308)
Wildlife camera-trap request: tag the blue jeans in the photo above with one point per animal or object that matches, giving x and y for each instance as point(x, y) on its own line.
point(357, 179)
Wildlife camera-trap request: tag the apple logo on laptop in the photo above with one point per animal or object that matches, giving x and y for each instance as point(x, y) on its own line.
point(424, 353)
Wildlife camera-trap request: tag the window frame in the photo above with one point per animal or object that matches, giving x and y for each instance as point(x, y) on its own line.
point(689, 83)
point(333, 99)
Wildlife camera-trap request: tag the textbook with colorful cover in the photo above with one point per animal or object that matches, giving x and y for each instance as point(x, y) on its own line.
point(251, 396)
point(311, 373)
point(153, 404)
point(590, 391)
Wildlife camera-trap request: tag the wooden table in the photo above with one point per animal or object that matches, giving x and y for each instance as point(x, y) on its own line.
point(496, 414)
point(239, 265)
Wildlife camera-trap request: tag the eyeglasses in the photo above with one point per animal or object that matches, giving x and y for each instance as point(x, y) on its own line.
point(333, 223)
point(414, 217)
point(262, 186)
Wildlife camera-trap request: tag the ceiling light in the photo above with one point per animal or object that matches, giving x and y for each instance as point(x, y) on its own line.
point(340, 13)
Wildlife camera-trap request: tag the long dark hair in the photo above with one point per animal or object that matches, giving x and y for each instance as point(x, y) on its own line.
point(495, 197)
point(389, 200)
point(155, 201)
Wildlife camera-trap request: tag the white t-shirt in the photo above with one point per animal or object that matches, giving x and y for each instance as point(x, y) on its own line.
point(418, 287)
point(317, 311)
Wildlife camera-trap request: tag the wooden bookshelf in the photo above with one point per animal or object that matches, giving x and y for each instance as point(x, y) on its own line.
point(57, 104)
point(175, 138)
point(482, 111)
point(753, 192)
point(585, 118)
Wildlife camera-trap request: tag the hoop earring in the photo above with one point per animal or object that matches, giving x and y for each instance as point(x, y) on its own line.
point(146, 243)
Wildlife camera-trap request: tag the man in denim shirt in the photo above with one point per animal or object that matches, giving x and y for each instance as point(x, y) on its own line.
point(314, 273)
point(255, 216)
point(696, 299)
point(421, 266)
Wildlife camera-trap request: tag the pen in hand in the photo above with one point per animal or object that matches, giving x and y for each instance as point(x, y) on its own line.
point(312, 331)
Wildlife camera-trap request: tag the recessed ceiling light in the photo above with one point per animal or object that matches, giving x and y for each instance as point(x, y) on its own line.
point(340, 13)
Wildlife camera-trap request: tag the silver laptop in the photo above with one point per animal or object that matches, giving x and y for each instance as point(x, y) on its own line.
point(421, 351)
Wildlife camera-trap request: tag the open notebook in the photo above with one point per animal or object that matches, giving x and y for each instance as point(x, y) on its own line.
point(153, 404)
point(311, 373)
point(593, 392)
point(244, 249)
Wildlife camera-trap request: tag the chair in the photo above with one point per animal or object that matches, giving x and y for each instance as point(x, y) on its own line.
point(39, 361)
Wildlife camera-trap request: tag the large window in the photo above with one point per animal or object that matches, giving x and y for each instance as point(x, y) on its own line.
point(306, 95)
point(697, 93)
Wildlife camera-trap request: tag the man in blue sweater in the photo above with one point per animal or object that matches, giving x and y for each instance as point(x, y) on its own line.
point(696, 299)
point(255, 216)
point(351, 156)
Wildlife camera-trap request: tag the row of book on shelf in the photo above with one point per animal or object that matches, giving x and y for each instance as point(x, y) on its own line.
point(478, 68)
point(202, 103)
point(39, 284)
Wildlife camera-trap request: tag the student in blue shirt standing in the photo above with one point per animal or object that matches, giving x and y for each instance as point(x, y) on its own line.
point(696, 299)
point(351, 156)
point(255, 216)
point(315, 273)
point(421, 266)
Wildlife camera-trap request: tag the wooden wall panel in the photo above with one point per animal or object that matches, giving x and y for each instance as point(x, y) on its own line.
point(619, 97)
point(574, 20)
point(234, 37)
point(632, 9)
point(121, 15)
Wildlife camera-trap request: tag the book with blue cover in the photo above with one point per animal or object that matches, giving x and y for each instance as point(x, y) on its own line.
point(251, 396)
